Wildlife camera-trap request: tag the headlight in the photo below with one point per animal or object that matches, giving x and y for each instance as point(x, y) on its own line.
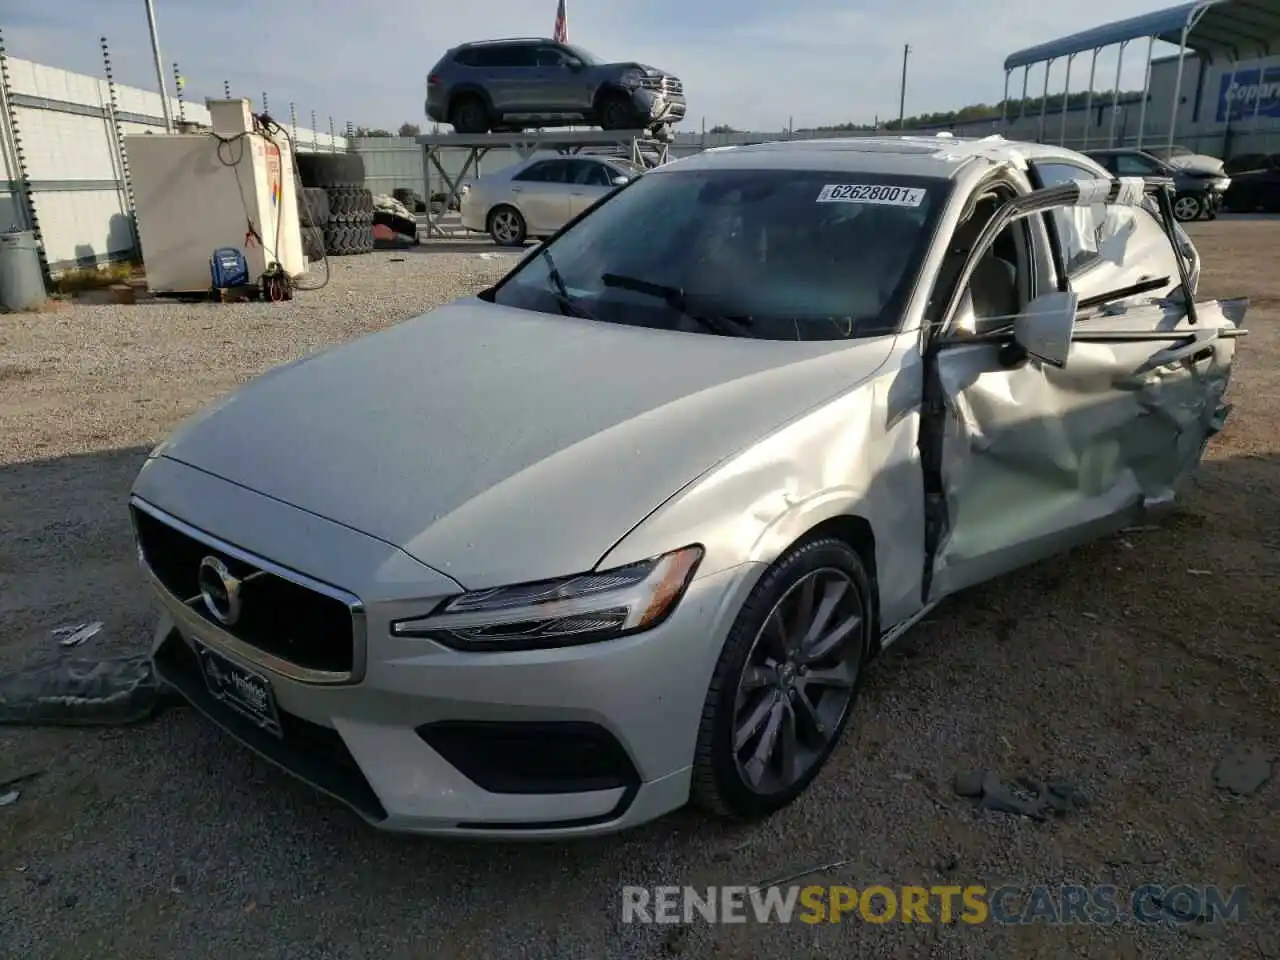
point(586, 608)
point(632, 78)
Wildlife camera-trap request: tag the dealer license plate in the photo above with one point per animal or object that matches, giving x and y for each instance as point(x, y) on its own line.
point(246, 691)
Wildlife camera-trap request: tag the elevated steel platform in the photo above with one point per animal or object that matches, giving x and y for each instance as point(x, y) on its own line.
point(639, 146)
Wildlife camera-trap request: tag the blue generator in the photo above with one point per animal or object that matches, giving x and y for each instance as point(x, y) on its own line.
point(228, 268)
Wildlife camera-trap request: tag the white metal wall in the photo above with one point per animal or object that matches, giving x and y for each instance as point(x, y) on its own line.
point(73, 163)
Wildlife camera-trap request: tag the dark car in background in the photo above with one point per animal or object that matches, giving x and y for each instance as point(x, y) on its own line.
point(1255, 183)
point(1198, 191)
point(514, 84)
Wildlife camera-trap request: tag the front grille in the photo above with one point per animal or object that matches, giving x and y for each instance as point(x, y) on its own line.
point(668, 85)
point(278, 616)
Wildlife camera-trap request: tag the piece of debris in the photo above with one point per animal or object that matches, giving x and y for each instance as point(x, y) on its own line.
point(178, 884)
point(76, 634)
point(1243, 771)
point(1089, 616)
point(74, 693)
point(1026, 797)
point(808, 872)
point(9, 798)
point(1199, 573)
point(1144, 528)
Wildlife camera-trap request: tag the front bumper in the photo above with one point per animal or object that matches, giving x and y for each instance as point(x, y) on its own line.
point(659, 108)
point(405, 747)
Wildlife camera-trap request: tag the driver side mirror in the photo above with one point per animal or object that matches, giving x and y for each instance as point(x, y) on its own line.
point(574, 65)
point(1044, 328)
point(620, 181)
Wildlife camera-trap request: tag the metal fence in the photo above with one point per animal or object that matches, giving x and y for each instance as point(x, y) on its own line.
point(64, 173)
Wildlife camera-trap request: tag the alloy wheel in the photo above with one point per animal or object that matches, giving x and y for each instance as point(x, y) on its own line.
point(506, 227)
point(799, 680)
point(1186, 208)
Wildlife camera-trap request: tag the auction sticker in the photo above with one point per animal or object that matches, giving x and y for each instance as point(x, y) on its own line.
point(871, 193)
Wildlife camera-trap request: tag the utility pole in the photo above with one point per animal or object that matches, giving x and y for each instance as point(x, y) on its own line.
point(902, 95)
point(155, 50)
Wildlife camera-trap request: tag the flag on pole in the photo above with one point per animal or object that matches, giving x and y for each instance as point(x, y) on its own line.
point(562, 26)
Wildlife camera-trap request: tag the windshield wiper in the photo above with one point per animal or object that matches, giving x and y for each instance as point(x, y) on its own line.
point(565, 302)
point(677, 300)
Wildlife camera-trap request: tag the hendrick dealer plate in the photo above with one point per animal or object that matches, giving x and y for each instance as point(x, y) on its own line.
point(878, 193)
point(246, 691)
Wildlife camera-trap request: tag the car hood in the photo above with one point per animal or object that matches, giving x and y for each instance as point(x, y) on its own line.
point(1196, 163)
point(500, 445)
point(647, 68)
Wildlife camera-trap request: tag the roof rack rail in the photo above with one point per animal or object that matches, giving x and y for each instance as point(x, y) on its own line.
point(476, 43)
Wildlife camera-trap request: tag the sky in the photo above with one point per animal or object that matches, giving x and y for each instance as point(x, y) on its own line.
point(751, 64)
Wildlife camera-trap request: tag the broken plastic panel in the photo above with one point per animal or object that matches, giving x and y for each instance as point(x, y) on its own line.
point(83, 693)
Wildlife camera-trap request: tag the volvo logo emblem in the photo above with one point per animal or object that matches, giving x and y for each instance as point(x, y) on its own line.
point(220, 591)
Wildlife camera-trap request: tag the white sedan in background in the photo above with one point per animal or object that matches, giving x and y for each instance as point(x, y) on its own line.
point(538, 196)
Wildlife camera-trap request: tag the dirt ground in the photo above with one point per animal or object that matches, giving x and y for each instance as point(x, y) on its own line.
point(1129, 667)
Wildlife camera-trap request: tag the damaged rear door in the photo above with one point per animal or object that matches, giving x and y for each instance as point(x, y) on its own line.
point(1071, 419)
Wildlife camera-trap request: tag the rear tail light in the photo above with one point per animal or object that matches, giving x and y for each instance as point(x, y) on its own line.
point(433, 80)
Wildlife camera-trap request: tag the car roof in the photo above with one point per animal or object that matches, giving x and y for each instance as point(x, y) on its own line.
point(939, 157)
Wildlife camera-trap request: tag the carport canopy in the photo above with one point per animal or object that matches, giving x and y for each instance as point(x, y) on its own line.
point(1215, 29)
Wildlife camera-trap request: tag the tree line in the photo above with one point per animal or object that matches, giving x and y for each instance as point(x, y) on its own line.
point(975, 111)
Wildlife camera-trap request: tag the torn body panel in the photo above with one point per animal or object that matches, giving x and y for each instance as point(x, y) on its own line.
point(1035, 459)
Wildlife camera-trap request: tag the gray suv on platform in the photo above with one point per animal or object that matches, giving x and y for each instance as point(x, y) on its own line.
point(494, 85)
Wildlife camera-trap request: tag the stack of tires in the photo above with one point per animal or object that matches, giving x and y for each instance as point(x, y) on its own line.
point(313, 214)
point(335, 208)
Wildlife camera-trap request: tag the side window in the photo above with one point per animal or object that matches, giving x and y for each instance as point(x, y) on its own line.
point(1081, 230)
point(1000, 283)
point(548, 56)
point(548, 171)
point(1132, 165)
point(589, 173)
point(506, 55)
point(534, 174)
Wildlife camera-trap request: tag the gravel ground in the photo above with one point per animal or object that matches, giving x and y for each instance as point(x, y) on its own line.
point(1128, 667)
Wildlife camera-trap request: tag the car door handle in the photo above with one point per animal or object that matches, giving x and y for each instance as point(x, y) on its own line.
point(577, 193)
point(517, 189)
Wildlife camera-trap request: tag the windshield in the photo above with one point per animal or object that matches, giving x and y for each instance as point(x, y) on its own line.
point(584, 55)
point(771, 254)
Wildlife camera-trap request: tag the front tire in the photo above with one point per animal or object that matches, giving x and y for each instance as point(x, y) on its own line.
point(469, 115)
point(785, 683)
point(507, 226)
point(616, 113)
point(1187, 207)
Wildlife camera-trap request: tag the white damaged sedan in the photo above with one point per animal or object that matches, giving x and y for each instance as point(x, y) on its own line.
point(627, 529)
